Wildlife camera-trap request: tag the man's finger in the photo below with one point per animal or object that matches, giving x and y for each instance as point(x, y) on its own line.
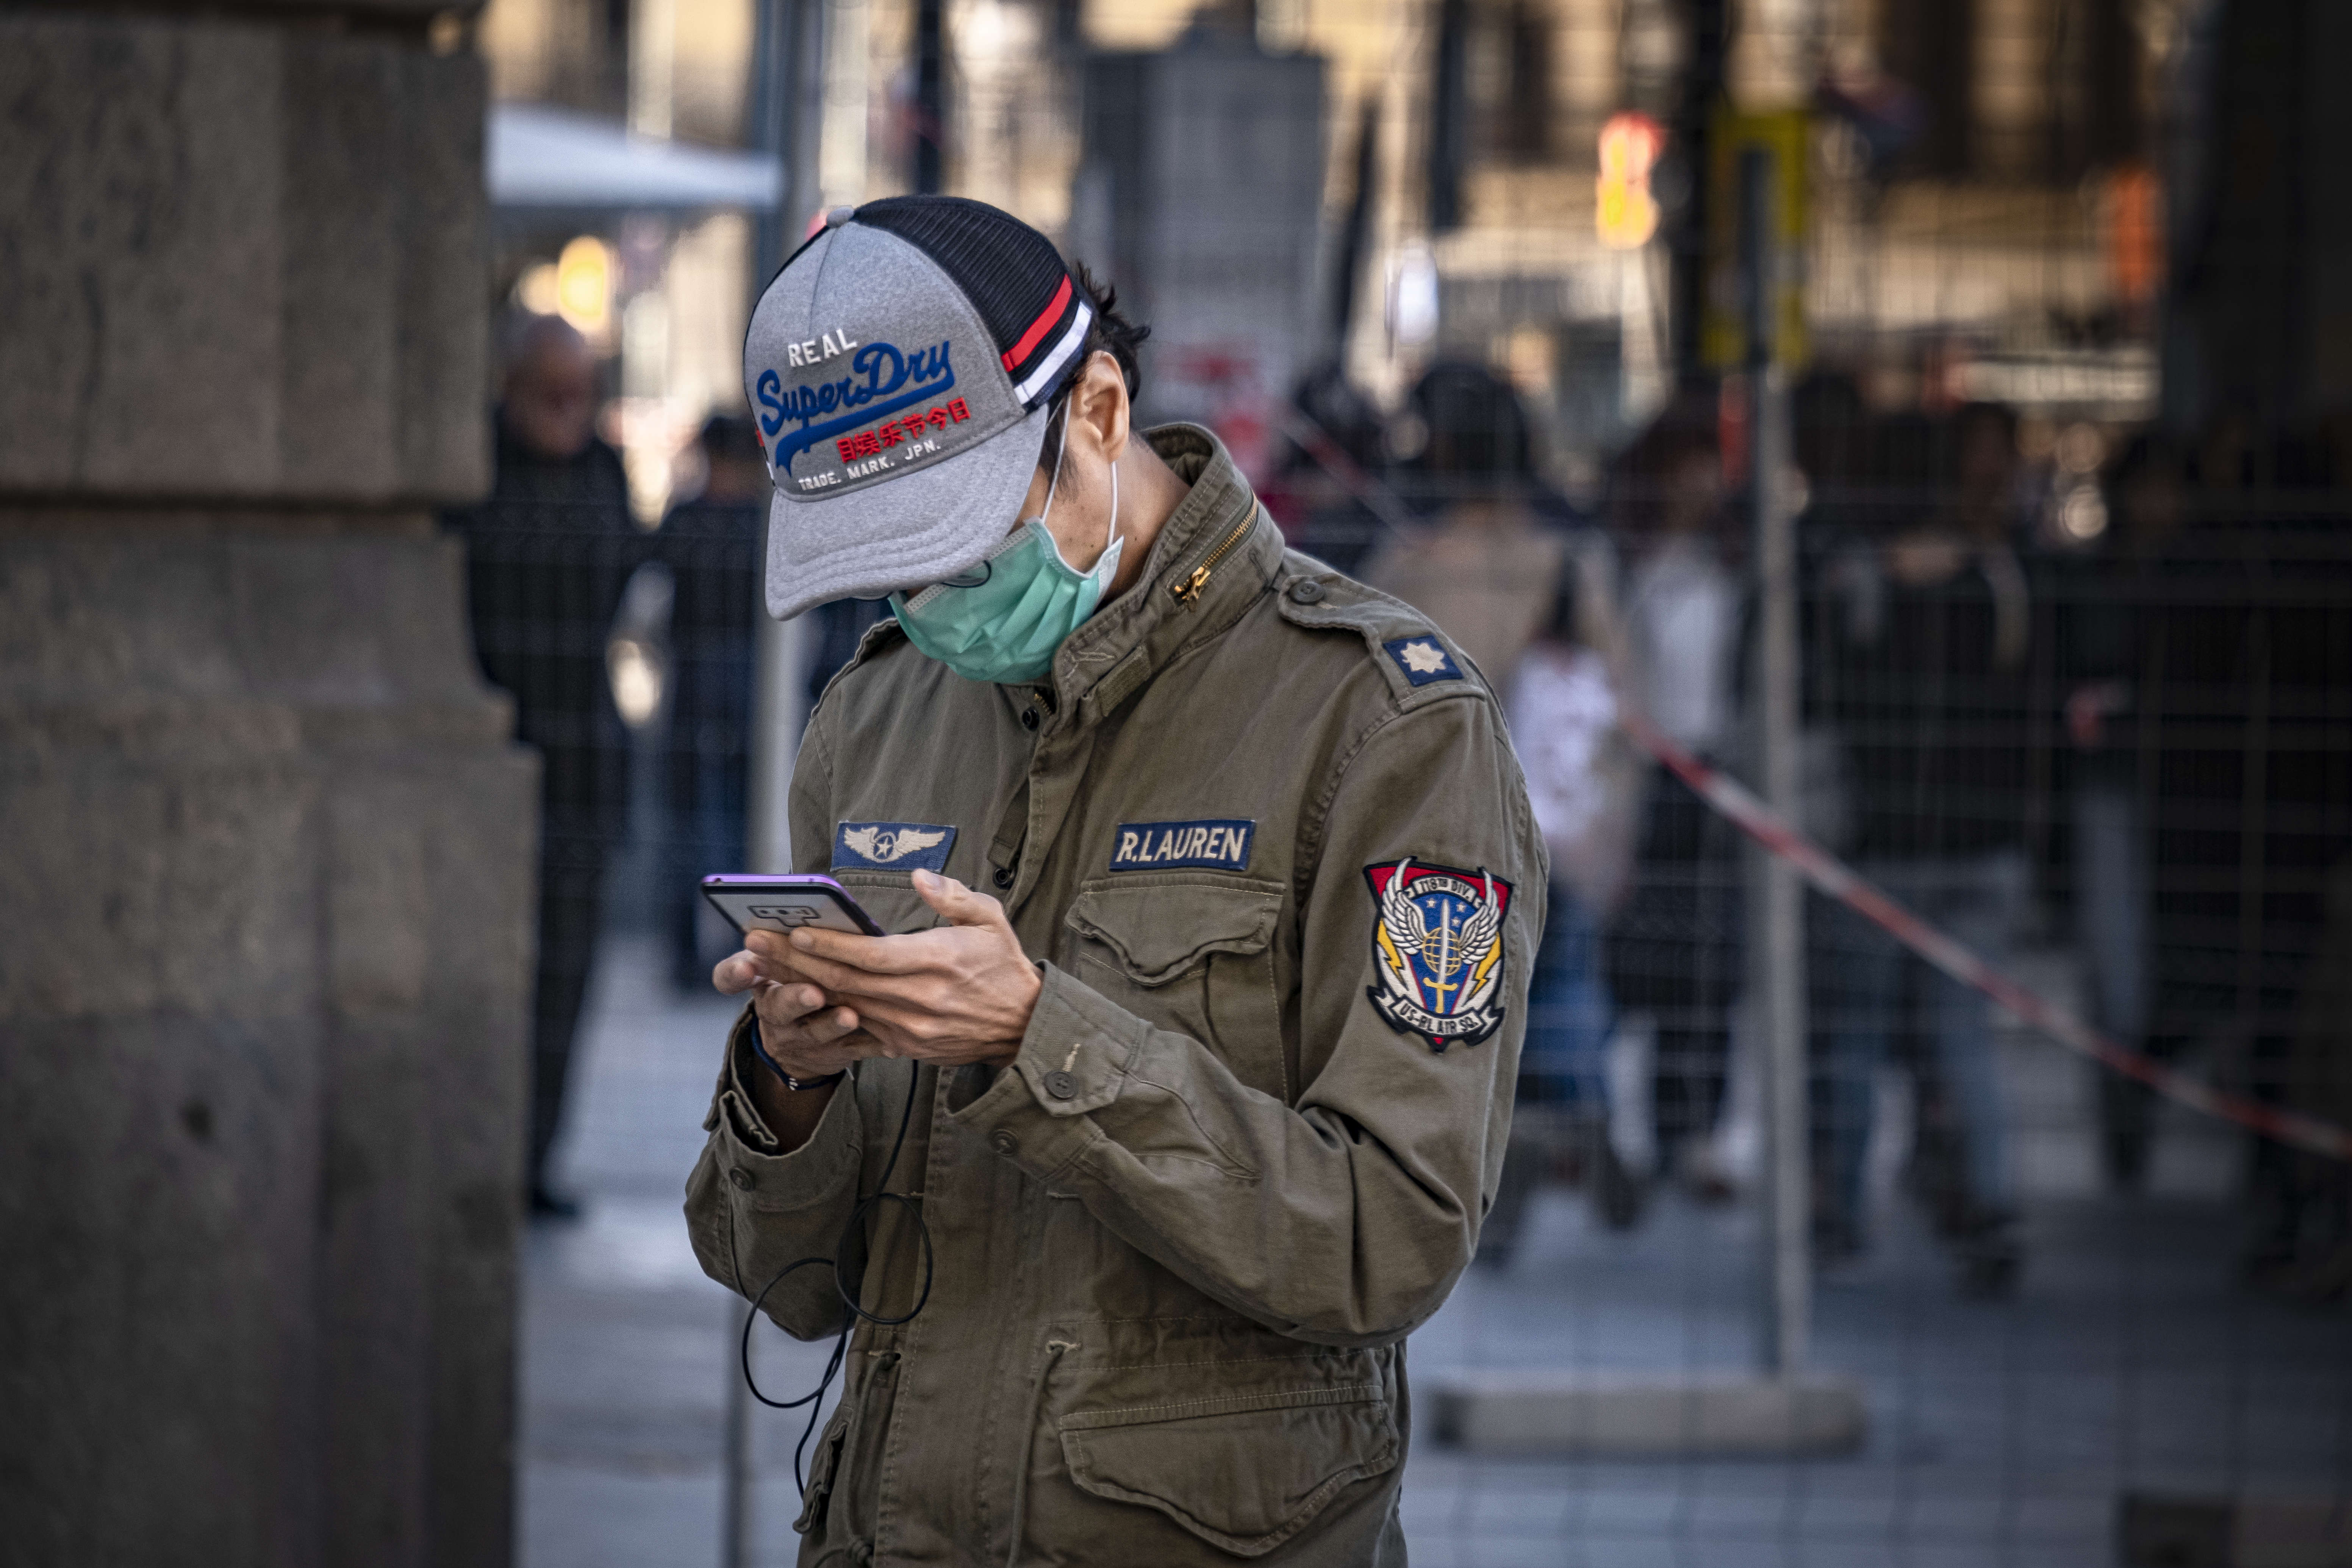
point(874, 954)
point(736, 974)
point(773, 958)
point(958, 904)
point(786, 1005)
point(847, 979)
point(827, 1028)
point(770, 949)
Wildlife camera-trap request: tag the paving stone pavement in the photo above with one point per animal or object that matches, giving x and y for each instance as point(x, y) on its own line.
point(2001, 1434)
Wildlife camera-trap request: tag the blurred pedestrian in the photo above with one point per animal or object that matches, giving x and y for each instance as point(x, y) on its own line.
point(2310, 1257)
point(1674, 948)
point(547, 556)
point(2108, 599)
point(1583, 781)
point(1932, 697)
point(713, 545)
point(1496, 538)
point(1328, 458)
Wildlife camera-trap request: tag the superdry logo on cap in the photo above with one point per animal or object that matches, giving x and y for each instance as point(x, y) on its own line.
point(856, 410)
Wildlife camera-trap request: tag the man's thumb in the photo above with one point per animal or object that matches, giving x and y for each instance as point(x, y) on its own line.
point(951, 899)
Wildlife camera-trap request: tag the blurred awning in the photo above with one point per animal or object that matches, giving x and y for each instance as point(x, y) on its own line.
point(543, 160)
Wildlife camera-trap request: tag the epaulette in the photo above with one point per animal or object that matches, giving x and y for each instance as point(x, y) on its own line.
point(1416, 659)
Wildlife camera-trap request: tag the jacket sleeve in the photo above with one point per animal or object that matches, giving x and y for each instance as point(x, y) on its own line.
point(751, 1208)
point(1343, 1220)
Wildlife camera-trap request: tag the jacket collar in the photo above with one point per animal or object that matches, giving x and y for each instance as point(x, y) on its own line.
point(1110, 658)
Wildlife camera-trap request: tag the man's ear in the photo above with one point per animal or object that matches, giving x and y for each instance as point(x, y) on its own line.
point(1099, 399)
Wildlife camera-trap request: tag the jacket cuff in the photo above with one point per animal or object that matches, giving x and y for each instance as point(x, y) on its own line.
point(757, 1174)
point(1074, 1060)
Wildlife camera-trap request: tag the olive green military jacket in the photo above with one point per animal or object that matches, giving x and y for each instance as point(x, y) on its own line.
point(1264, 833)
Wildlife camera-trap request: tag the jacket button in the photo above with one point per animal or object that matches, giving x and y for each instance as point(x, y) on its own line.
point(742, 1179)
point(1306, 591)
point(1003, 1142)
point(1062, 1085)
point(1028, 718)
point(1002, 876)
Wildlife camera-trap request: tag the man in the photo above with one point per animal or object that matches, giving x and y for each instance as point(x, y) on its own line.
point(546, 559)
point(1219, 887)
point(712, 545)
point(1675, 948)
point(1486, 568)
point(2109, 657)
point(1930, 681)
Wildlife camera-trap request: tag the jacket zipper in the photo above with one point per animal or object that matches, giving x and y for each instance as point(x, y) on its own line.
point(1188, 591)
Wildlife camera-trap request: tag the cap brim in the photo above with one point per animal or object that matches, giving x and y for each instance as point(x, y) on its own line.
point(916, 529)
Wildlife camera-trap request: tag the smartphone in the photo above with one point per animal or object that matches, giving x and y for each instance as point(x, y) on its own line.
point(787, 904)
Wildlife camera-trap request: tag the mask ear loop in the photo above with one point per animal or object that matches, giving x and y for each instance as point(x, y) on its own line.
point(1061, 447)
point(1111, 537)
point(1060, 444)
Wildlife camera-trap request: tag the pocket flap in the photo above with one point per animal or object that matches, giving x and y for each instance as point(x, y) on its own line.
point(1162, 924)
point(1244, 1472)
point(889, 897)
point(822, 1466)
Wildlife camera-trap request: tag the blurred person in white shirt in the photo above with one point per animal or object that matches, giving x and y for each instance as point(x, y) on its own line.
point(1674, 947)
point(1583, 786)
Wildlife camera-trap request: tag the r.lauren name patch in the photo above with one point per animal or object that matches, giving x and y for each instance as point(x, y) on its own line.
point(893, 845)
point(1219, 844)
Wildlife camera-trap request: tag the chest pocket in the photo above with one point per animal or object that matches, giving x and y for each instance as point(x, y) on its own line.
point(1192, 951)
point(889, 897)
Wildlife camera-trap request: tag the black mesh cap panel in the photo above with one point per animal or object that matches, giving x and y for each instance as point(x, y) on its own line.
point(1010, 271)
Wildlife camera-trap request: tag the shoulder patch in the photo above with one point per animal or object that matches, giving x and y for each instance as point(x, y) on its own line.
point(1423, 659)
point(1438, 951)
point(1218, 843)
point(892, 846)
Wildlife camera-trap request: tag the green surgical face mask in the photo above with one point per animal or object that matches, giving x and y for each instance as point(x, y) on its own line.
point(1006, 629)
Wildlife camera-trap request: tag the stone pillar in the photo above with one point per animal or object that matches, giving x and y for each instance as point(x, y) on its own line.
point(268, 850)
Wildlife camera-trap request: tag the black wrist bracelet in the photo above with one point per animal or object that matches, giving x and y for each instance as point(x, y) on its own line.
point(760, 1050)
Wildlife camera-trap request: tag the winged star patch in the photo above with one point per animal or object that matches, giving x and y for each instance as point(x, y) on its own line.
point(1437, 950)
point(893, 845)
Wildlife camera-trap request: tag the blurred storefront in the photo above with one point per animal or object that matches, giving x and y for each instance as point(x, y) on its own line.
point(1406, 181)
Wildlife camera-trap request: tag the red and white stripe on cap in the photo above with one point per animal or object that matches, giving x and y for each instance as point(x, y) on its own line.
point(1065, 343)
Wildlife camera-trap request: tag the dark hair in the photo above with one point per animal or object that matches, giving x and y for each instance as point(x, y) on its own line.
point(1478, 428)
point(1111, 333)
point(1685, 431)
point(1560, 622)
point(730, 437)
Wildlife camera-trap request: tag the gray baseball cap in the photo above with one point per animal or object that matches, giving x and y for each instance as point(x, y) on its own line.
point(900, 370)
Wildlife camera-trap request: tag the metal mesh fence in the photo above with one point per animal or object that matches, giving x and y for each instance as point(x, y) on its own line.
point(2085, 1323)
point(2081, 1322)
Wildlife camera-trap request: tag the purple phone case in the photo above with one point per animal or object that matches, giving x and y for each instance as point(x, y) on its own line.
point(743, 882)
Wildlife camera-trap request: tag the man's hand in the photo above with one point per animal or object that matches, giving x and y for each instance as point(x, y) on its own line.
point(800, 1027)
point(959, 992)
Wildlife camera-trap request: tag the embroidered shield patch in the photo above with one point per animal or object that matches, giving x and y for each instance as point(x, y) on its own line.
point(1437, 950)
